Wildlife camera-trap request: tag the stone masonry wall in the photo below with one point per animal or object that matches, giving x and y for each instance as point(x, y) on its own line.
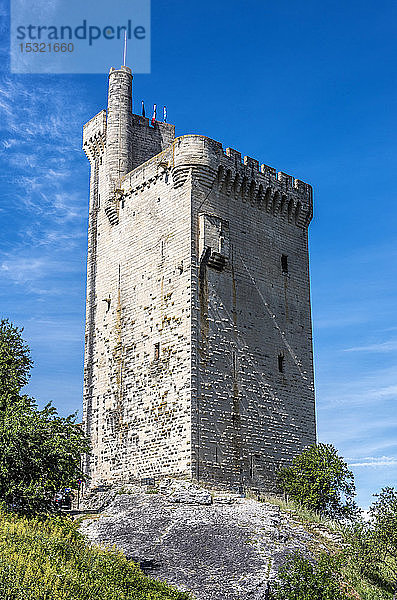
point(139, 409)
point(247, 315)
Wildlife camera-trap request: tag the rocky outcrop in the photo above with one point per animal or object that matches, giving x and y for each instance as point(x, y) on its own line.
point(218, 546)
point(184, 492)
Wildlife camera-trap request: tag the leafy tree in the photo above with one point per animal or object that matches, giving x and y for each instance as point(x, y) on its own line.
point(299, 579)
point(39, 450)
point(15, 362)
point(373, 545)
point(320, 480)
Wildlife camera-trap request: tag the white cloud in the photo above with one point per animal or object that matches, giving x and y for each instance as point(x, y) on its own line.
point(340, 321)
point(42, 331)
point(22, 270)
point(373, 461)
point(348, 428)
point(41, 276)
point(370, 388)
point(389, 346)
point(9, 143)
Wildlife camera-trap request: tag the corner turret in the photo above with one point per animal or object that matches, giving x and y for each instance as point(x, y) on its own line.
point(119, 124)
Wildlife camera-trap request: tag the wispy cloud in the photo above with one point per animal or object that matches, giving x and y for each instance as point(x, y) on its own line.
point(44, 171)
point(373, 461)
point(389, 346)
point(23, 270)
point(44, 331)
point(42, 276)
point(340, 321)
point(368, 389)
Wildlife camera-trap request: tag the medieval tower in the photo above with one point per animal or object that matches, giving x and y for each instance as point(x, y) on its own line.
point(198, 346)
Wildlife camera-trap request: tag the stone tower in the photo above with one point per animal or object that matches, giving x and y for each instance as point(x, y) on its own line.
point(198, 346)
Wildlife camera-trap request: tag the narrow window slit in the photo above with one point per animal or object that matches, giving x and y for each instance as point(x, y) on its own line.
point(284, 263)
point(281, 363)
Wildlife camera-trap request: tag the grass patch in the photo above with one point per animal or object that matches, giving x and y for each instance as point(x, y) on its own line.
point(366, 589)
point(302, 514)
point(48, 559)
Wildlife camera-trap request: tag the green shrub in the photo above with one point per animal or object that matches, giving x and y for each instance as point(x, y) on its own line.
point(299, 579)
point(48, 559)
point(320, 480)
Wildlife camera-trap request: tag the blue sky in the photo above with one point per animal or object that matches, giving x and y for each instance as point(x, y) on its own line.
point(307, 88)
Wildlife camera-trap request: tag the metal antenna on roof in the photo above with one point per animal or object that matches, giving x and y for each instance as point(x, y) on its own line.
point(125, 47)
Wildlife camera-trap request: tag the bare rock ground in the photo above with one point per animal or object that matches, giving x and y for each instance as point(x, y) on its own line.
point(218, 547)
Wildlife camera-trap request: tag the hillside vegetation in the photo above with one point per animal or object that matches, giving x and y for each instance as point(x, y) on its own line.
point(335, 540)
point(48, 559)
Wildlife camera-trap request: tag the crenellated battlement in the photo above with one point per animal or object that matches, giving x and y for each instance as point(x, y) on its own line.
point(271, 174)
point(224, 171)
point(253, 167)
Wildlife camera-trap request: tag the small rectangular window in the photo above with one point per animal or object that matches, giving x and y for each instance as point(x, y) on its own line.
point(281, 363)
point(157, 351)
point(284, 263)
